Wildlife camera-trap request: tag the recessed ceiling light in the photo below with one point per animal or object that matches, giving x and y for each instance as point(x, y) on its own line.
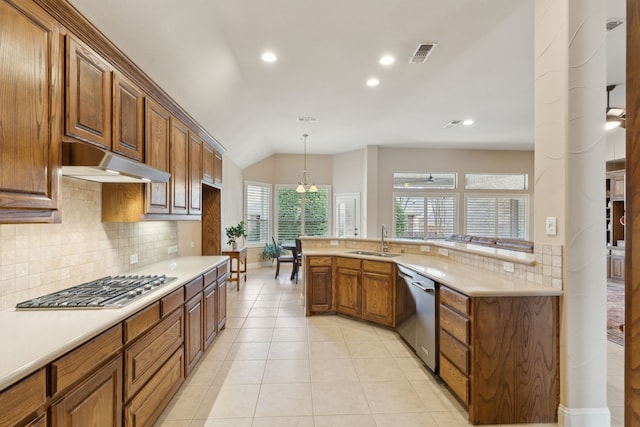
point(269, 57)
point(387, 60)
point(373, 82)
point(467, 122)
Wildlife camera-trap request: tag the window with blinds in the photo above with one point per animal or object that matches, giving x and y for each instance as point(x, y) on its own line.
point(497, 216)
point(257, 208)
point(302, 213)
point(425, 216)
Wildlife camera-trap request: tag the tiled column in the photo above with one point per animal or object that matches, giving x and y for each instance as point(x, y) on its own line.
point(570, 100)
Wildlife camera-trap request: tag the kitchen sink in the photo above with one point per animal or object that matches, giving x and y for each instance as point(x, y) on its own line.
point(374, 253)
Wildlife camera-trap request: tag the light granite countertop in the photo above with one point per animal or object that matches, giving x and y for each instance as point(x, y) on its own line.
point(474, 282)
point(31, 339)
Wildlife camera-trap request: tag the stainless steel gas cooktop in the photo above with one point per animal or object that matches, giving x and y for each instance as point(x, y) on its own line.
point(107, 292)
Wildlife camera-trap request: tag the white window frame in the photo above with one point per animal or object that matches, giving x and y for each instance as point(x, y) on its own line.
point(425, 195)
point(269, 209)
point(276, 208)
point(496, 196)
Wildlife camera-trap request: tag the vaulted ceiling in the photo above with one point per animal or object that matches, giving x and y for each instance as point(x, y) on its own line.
point(207, 55)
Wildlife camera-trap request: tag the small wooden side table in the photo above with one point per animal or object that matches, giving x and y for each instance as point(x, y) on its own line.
point(240, 271)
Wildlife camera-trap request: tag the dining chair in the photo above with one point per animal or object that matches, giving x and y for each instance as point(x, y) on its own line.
point(298, 258)
point(280, 257)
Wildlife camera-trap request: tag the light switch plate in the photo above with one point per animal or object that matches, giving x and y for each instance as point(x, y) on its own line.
point(550, 228)
point(133, 259)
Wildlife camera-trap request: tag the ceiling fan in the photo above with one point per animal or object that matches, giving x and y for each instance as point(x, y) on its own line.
point(616, 117)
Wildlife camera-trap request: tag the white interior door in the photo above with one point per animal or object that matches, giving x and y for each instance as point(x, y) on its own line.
point(347, 215)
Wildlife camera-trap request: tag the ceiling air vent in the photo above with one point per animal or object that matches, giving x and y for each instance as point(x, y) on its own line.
point(422, 53)
point(306, 119)
point(613, 24)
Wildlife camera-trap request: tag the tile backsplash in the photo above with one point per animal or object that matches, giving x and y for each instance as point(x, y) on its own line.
point(39, 258)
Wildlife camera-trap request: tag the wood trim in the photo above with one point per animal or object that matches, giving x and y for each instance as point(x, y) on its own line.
point(632, 258)
point(75, 22)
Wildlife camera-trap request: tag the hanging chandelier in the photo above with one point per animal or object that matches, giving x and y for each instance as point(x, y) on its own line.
point(304, 185)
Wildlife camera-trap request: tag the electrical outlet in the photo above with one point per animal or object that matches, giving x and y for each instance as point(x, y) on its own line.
point(172, 249)
point(508, 267)
point(133, 259)
point(443, 251)
point(334, 243)
point(425, 248)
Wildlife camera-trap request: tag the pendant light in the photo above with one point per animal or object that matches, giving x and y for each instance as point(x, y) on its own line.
point(304, 185)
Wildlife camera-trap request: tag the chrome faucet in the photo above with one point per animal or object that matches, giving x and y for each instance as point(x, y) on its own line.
point(384, 246)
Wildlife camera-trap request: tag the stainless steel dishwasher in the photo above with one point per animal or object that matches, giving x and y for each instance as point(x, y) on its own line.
point(418, 324)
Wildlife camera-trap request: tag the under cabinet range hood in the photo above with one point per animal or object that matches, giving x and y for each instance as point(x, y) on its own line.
point(88, 162)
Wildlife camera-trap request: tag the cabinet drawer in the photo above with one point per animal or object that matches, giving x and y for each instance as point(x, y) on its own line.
point(455, 300)
point(456, 380)
point(193, 288)
point(147, 355)
point(377, 267)
point(23, 398)
point(223, 269)
point(141, 322)
point(314, 261)
point(455, 351)
point(353, 263)
point(84, 359)
point(172, 301)
point(210, 276)
point(455, 324)
point(145, 408)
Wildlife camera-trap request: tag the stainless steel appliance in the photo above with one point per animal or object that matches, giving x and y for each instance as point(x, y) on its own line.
point(418, 325)
point(107, 292)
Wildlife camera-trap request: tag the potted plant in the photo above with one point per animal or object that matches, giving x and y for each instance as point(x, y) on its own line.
point(269, 252)
point(234, 233)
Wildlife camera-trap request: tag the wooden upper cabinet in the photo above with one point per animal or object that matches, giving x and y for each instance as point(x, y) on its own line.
point(195, 173)
point(128, 118)
point(208, 163)
point(217, 177)
point(157, 131)
point(88, 95)
point(179, 163)
point(30, 113)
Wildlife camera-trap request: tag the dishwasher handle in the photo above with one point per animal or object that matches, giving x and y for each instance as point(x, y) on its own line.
point(418, 285)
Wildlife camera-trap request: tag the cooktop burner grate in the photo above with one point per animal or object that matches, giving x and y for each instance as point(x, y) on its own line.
point(107, 292)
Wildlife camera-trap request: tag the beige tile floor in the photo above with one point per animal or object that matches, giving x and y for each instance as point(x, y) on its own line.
point(272, 366)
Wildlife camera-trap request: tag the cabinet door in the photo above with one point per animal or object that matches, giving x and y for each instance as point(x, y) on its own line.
point(217, 178)
point(88, 95)
point(377, 298)
point(320, 288)
point(210, 308)
point(348, 291)
point(222, 302)
point(23, 399)
point(195, 174)
point(179, 164)
point(157, 154)
point(128, 118)
point(193, 316)
point(208, 163)
point(30, 113)
point(95, 402)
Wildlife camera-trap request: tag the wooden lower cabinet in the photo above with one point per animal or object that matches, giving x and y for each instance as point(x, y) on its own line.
point(97, 401)
point(499, 355)
point(319, 284)
point(22, 401)
point(210, 311)
point(149, 403)
point(617, 266)
point(222, 301)
point(193, 320)
point(348, 286)
point(378, 292)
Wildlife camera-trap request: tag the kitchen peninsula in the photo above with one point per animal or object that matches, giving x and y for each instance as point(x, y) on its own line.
point(498, 332)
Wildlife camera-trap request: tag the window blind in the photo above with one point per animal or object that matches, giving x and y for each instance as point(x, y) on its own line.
point(494, 216)
point(258, 207)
